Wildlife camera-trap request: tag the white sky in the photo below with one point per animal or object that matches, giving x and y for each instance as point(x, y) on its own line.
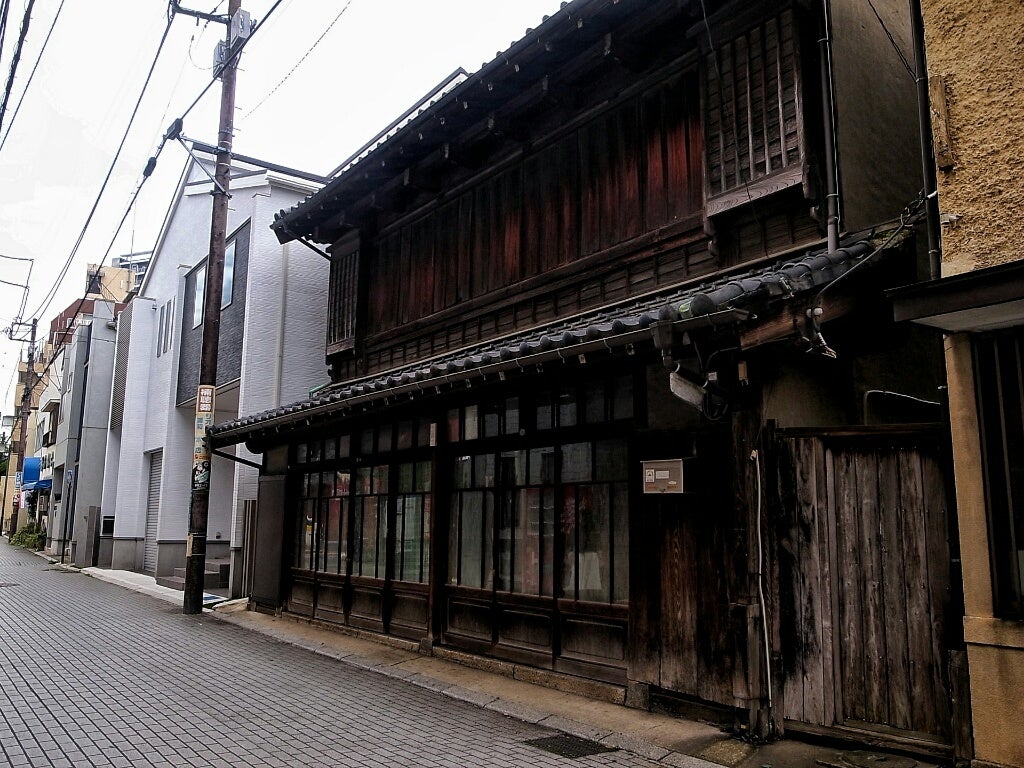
point(377, 60)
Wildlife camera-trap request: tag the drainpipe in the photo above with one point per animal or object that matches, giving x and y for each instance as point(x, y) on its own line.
point(924, 119)
point(829, 126)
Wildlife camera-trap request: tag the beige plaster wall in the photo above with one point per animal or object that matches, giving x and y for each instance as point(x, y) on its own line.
point(997, 679)
point(978, 48)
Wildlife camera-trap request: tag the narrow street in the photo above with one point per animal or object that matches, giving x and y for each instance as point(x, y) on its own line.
point(97, 675)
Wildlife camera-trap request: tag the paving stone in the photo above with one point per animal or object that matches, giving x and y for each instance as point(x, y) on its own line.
point(112, 677)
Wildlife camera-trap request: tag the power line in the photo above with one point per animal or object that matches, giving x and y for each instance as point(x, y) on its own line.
point(300, 61)
point(5, 9)
point(16, 58)
point(892, 41)
point(131, 121)
point(31, 75)
point(152, 162)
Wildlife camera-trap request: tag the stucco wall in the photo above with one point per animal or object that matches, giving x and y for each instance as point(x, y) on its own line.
point(978, 49)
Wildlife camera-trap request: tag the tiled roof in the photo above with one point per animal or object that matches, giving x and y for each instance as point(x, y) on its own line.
point(720, 301)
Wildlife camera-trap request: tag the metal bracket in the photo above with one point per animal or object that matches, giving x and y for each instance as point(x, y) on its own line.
point(182, 140)
point(216, 452)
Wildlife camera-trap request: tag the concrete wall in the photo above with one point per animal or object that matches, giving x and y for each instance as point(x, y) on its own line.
point(978, 49)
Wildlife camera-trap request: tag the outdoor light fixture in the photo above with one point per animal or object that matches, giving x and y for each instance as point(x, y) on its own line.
point(690, 393)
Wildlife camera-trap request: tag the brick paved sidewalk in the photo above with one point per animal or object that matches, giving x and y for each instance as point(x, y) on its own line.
point(279, 686)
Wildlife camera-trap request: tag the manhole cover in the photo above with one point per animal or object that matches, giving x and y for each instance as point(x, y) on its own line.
point(569, 746)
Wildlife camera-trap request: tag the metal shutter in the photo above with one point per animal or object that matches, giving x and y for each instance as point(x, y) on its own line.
point(156, 471)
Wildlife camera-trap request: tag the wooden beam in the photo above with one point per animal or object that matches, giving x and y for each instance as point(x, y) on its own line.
point(792, 322)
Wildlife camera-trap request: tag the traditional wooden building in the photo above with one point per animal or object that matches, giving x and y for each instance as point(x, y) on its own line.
point(614, 390)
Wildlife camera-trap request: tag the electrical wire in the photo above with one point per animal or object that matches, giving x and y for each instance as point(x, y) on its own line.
point(81, 302)
point(110, 171)
point(298, 64)
point(15, 58)
point(67, 264)
point(756, 458)
point(892, 41)
point(5, 10)
point(31, 75)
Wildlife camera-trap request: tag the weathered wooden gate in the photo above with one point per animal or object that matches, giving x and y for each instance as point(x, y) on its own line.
point(864, 581)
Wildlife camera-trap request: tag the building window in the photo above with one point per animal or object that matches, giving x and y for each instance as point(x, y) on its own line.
point(504, 502)
point(228, 284)
point(342, 296)
point(412, 522)
point(169, 327)
point(999, 372)
point(199, 296)
point(754, 143)
point(370, 521)
point(161, 325)
point(549, 519)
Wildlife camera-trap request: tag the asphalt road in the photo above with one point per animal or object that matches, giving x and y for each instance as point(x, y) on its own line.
point(93, 674)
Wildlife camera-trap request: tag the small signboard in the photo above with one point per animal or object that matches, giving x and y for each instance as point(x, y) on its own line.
point(205, 407)
point(663, 476)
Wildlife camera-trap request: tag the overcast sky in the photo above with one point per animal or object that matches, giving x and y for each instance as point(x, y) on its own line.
point(378, 58)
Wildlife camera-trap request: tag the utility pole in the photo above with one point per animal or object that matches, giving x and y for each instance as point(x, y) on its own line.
point(195, 552)
point(26, 406)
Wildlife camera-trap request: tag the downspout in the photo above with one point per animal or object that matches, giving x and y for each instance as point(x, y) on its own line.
point(924, 119)
point(828, 124)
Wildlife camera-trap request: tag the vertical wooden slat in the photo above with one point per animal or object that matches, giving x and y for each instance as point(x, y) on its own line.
point(779, 65)
point(850, 585)
point(894, 588)
point(817, 672)
point(876, 703)
point(937, 561)
point(918, 598)
point(796, 479)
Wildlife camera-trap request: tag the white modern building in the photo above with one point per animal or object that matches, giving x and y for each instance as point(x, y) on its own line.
point(273, 306)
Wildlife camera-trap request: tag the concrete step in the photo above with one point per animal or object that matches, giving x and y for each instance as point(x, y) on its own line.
point(212, 579)
point(174, 582)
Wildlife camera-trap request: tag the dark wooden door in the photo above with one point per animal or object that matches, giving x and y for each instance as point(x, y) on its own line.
point(864, 582)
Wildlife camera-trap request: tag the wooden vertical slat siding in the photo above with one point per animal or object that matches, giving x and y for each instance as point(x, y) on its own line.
point(918, 597)
point(826, 540)
point(873, 642)
point(814, 658)
point(671, 185)
point(446, 264)
point(679, 670)
point(790, 563)
point(894, 623)
point(653, 111)
point(423, 272)
point(937, 561)
point(845, 504)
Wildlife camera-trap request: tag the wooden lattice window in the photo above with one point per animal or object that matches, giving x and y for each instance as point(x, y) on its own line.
point(343, 296)
point(753, 115)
